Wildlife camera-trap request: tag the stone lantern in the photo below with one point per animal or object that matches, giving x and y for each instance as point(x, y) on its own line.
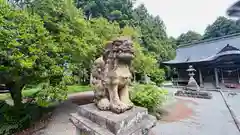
point(191, 71)
point(192, 83)
point(192, 89)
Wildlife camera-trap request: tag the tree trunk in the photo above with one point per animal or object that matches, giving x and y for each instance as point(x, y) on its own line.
point(134, 77)
point(16, 94)
point(79, 77)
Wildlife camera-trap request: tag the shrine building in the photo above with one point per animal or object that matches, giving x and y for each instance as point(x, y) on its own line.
point(217, 62)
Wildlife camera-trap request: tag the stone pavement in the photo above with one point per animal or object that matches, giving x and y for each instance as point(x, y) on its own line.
point(59, 123)
point(210, 117)
point(233, 102)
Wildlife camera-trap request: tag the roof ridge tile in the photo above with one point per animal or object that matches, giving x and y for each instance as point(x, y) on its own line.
point(209, 40)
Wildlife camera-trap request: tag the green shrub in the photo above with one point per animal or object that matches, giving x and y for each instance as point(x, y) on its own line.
point(158, 76)
point(148, 96)
point(49, 95)
point(69, 80)
point(12, 121)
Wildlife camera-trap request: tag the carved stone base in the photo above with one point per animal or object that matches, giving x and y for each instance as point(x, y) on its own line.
point(194, 94)
point(191, 88)
point(89, 120)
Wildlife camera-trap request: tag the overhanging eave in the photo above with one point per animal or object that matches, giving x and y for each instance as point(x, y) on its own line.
point(234, 10)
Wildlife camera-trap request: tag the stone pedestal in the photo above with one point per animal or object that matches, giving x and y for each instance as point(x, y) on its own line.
point(192, 85)
point(194, 94)
point(89, 120)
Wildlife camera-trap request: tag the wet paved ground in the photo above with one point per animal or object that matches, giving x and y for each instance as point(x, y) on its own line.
point(234, 102)
point(210, 117)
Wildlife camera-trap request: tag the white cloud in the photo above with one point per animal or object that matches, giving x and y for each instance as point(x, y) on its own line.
point(180, 16)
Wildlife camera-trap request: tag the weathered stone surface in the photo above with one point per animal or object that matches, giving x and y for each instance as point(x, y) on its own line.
point(147, 125)
point(111, 76)
point(192, 84)
point(194, 94)
point(91, 121)
point(116, 123)
point(86, 127)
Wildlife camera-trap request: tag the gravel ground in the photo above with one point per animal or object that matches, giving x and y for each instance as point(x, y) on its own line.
point(210, 117)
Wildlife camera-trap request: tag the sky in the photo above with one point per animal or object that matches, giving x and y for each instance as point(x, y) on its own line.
point(180, 16)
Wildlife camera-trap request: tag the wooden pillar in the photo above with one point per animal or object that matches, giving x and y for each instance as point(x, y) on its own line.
point(216, 78)
point(238, 76)
point(222, 77)
point(200, 78)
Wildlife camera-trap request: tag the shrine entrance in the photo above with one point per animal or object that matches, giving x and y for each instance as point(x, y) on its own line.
point(229, 77)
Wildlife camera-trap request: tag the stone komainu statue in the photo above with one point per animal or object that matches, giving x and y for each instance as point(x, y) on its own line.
point(111, 76)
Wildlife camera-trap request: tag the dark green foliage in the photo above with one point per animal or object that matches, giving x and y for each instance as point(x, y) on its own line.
point(12, 121)
point(50, 94)
point(54, 43)
point(69, 43)
point(113, 10)
point(148, 96)
point(152, 31)
point(28, 52)
point(221, 27)
point(153, 34)
point(188, 37)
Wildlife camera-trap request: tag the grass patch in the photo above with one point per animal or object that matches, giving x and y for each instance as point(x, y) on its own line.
point(78, 88)
point(29, 92)
point(167, 81)
point(4, 96)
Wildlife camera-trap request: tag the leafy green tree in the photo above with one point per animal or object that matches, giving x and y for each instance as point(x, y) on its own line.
point(173, 42)
point(70, 31)
point(153, 34)
point(221, 27)
point(28, 53)
point(102, 31)
point(152, 30)
point(188, 37)
point(117, 10)
point(143, 63)
point(82, 39)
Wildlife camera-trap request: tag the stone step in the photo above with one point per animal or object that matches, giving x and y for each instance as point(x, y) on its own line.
point(115, 123)
point(86, 126)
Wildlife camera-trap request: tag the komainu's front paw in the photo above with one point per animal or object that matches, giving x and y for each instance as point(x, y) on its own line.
point(118, 107)
point(130, 105)
point(103, 104)
point(128, 102)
